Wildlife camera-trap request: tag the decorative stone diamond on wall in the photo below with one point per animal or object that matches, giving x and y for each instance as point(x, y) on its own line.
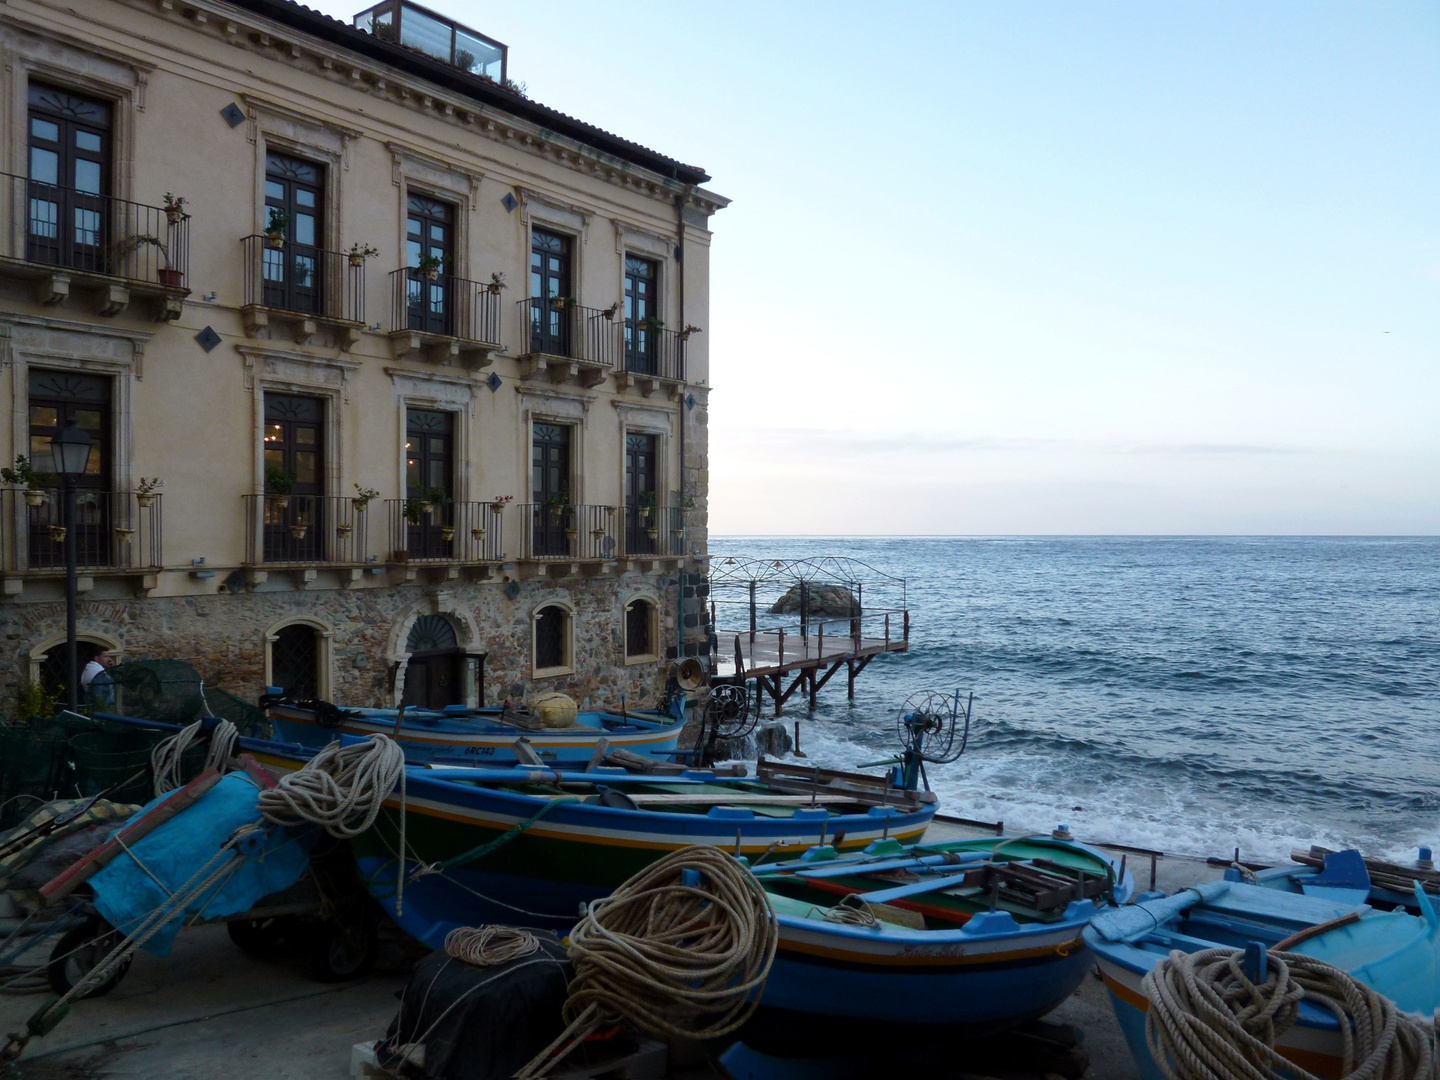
point(233, 114)
point(208, 338)
point(493, 382)
point(510, 202)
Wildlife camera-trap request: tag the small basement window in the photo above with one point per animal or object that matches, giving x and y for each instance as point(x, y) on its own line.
point(553, 647)
point(639, 630)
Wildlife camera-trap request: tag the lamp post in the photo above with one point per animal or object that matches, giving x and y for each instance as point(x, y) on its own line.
point(71, 451)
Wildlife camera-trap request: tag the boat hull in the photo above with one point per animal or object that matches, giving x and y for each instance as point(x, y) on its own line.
point(539, 859)
point(482, 741)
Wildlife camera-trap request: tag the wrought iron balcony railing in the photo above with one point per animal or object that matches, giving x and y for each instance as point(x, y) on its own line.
point(445, 532)
point(445, 306)
point(114, 530)
point(304, 280)
point(574, 533)
point(305, 530)
point(654, 531)
point(85, 232)
point(653, 350)
point(568, 330)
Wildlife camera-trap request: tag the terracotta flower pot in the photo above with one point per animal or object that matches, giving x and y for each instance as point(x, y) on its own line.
point(447, 533)
point(275, 240)
point(570, 534)
point(170, 278)
point(174, 215)
point(357, 261)
point(431, 275)
point(280, 502)
point(57, 533)
point(124, 535)
point(297, 532)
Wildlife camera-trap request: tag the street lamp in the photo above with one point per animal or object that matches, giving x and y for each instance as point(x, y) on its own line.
point(71, 451)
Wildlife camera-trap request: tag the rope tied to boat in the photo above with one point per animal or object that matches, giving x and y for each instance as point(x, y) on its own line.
point(680, 950)
point(167, 758)
point(1208, 1020)
point(486, 946)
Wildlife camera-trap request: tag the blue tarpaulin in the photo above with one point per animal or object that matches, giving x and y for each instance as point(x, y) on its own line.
point(125, 894)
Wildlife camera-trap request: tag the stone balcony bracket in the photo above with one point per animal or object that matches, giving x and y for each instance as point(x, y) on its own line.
point(105, 295)
point(303, 329)
point(441, 349)
point(559, 369)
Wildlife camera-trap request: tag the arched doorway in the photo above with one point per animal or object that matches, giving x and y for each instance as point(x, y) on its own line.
point(435, 675)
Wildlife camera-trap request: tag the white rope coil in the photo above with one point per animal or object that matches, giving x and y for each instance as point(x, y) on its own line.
point(1209, 1021)
point(167, 758)
point(675, 959)
point(340, 789)
point(486, 946)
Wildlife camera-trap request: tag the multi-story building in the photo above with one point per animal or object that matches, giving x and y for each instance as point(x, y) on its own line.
point(419, 362)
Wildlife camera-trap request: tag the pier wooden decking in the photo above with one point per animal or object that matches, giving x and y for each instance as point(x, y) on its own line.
point(770, 658)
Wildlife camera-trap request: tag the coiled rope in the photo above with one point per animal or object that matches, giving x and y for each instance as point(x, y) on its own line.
point(486, 946)
point(340, 789)
point(677, 959)
point(1209, 1021)
point(167, 757)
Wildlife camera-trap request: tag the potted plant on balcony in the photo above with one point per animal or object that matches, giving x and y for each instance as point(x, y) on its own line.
point(428, 267)
point(23, 476)
point(145, 491)
point(477, 533)
point(123, 535)
point(278, 485)
point(497, 504)
point(363, 497)
point(611, 311)
point(650, 323)
point(561, 303)
point(298, 531)
point(344, 529)
point(175, 208)
point(275, 227)
point(57, 533)
point(597, 534)
point(645, 505)
point(166, 275)
point(689, 329)
point(358, 253)
point(497, 283)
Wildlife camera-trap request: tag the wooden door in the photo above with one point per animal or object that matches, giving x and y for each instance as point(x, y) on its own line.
point(642, 515)
point(293, 274)
point(550, 324)
point(294, 450)
point(429, 231)
point(57, 398)
point(550, 464)
point(430, 477)
point(69, 174)
point(641, 335)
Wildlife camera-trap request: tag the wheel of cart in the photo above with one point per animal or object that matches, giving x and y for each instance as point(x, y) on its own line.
point(79, 951)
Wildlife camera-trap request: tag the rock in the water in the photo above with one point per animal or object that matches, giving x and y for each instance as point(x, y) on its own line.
point(771, 740)
point(833, 600)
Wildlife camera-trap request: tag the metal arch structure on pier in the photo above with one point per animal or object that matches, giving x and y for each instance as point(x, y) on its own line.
point(753, 639)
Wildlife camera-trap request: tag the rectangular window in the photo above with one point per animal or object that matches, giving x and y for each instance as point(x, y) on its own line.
point(550, 466)
point(429, 483)
point(642, 323)
point(55, 399)
point(294, 210)
point(642, 522)
point(69, 180)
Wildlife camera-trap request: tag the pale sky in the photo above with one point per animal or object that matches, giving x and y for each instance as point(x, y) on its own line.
point(1044, 267)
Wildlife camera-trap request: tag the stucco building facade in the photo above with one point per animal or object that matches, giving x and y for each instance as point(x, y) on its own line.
point(421, 363)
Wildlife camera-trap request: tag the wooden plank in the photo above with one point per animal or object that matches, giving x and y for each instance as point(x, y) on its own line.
point(723, 799)
point(525, 753)
point(95, 860)
point(599, 755)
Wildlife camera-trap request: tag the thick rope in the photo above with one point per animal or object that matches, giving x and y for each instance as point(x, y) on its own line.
point(1209, 1021)
point(341, 789)
point(487, 946)
point(675, 959)
point(167, 757)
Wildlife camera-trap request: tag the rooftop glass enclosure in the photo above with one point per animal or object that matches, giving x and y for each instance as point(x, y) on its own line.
point(434, 35)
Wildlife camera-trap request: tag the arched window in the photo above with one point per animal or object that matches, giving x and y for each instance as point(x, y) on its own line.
point(639, 629)
point(295, 661)
point(552, 639)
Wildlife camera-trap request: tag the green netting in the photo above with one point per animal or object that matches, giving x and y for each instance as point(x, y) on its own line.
point(172, 692)
point(28, 772)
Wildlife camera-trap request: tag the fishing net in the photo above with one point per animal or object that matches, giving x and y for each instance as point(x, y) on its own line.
point(172, 692)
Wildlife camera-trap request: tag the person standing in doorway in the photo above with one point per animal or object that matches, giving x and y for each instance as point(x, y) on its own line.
point(95, 684)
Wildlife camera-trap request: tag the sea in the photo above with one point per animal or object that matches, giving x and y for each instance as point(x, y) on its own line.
point(1196, 695)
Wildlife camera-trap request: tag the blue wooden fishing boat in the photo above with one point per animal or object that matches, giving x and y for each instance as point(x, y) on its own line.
point(1333, 912)
point(484, 735)
point(974, 934)
point(530, 847)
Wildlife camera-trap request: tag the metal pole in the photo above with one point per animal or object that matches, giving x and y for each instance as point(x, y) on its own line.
point(752, 612)
point(70, 594)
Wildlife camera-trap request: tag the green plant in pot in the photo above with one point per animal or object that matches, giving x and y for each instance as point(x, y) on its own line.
point(428, 267)
point(276, 226)
point(166, 275)
point(24, 476)
point(358, 253)
point(278, 485)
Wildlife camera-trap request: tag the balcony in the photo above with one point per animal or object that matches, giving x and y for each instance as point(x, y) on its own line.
point(568, 534)
point(114, 251)
point(565, 341)
point(444, 318)
point(654, 532)
point(116, 533)
point(305, 531)
point(654, 359)
point(454, 533)
point(304, 290)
